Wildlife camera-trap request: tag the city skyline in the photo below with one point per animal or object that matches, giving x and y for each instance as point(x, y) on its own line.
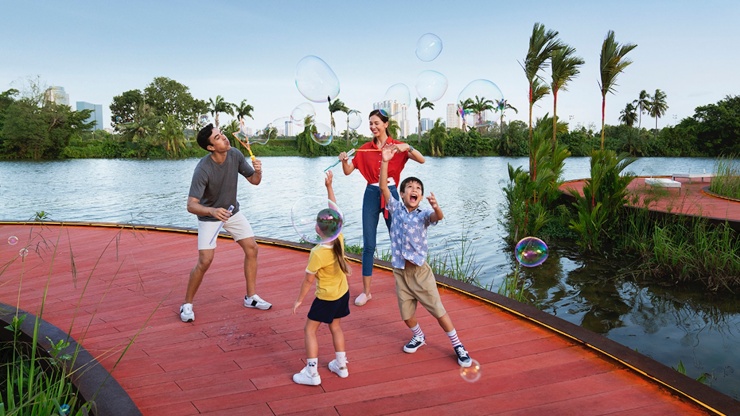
point(249, 50)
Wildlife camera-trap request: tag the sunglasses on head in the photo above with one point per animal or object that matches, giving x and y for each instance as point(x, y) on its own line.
point(381, 112)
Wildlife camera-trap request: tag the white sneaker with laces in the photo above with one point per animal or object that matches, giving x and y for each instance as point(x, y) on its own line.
point(304, 377)
point(186, 312)
point(256, 302)
point(334, 367)
point(413, 345)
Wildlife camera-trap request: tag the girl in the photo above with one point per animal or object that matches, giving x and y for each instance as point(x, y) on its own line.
point(367, 161)
point(328, 267)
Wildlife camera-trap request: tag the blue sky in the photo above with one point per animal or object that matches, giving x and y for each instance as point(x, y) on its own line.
point(249, 50)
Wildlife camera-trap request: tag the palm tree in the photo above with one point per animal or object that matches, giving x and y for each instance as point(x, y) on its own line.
point(658, 107)
point(349, 112)
point(564, 69)
point(462, 108)
point(437, 137)
point(420, 105)
point(613, 63)
point(479, 107)
point(642, 104)
point(172, 135)
point(541, 46)
point(219, 105)
point(628, 115)
point(501, 106)
point(243, 110)
point(335, 106)
point(393, 128)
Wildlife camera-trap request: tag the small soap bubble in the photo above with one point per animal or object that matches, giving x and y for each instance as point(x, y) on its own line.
point(428, 47)
point(316, 219)
point(471, 374)
point(398, 94)
point(322, 134)
point(23, 252)
point(531, 251)
point(481, 91)
point(12, 240)
point(355, 120)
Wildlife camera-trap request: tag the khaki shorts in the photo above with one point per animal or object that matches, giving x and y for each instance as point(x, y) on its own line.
point(416, 284)
point(238, 226)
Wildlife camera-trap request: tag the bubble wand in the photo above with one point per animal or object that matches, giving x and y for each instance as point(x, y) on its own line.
point(350, 153)
point(243, 131)
point(231, 208)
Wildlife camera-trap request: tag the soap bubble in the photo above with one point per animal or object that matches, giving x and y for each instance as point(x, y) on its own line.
point(431, 85)
point(398, 94)
point(471, 374)
point(322, 134)
point(316, 219)
point(428, 47)
point(300, 112)
point(531, 251)
point(485, 91)
point(12, 240)
point(315, 80)
point(23, 252)
point(204, 120)
point(355, 120)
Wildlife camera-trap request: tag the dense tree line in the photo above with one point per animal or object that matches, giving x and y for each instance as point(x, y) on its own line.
point(159, 121)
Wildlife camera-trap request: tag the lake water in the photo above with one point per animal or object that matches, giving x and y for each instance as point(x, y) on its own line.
point(669, 325)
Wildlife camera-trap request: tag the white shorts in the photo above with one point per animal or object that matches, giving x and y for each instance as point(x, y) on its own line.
point(238, 226)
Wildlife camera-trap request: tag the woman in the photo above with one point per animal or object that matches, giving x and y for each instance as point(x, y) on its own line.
point(367, 161)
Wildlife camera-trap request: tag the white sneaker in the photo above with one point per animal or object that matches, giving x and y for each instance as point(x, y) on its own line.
point(256, 302)
point(362, 299)
point(340, 371)
point(186, 312)
point(304, 377)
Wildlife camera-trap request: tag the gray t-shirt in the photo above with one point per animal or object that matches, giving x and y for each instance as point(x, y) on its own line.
point(215, 185)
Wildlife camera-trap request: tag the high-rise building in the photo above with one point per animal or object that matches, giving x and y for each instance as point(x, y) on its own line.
point(56, 95)
point(453, 119)
point(398, 112)
point(426, 124)
point(96, 115)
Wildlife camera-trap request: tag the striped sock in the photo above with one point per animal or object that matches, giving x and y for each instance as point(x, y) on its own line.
point(418, 333)
point(453, 338)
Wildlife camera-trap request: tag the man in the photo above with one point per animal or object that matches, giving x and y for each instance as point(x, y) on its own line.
point(212, 193)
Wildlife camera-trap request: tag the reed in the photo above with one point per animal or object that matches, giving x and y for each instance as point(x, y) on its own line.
point(726, 181)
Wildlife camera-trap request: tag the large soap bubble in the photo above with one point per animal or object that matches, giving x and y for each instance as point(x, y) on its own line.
point(531, 251)
point(431, 85)
point(428, 47)
point(481, 90)
point(316, 219)
point(315, 80)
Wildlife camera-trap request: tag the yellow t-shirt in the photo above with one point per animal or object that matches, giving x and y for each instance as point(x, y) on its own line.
point(331, 282)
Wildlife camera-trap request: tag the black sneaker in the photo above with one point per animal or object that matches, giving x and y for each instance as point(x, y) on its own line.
point(463, 358)
point(413, 345)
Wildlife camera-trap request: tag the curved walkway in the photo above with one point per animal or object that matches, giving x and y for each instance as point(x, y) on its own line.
point(692, 198)
point(117, 289)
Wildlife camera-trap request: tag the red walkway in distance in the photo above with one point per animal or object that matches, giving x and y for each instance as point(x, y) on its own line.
point(690, 199)
point(109, 285)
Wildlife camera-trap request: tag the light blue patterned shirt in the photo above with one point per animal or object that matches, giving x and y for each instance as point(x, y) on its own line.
point(408, 234)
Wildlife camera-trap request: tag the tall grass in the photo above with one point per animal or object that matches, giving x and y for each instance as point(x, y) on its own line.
point(726, 181)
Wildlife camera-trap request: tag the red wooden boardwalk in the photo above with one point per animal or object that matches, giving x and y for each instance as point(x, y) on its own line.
point(109, 285)
point(691, 199)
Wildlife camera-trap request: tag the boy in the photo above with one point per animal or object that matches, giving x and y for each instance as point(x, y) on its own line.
point(415, 280)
